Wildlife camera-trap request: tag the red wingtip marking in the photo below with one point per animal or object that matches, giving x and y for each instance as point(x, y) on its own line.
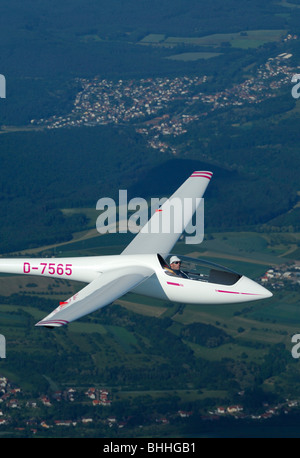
point(200, 174)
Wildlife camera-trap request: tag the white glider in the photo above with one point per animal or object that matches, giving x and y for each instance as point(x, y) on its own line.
point(142, 268)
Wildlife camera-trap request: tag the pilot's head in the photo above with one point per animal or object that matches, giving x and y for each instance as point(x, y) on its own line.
point(175, 263)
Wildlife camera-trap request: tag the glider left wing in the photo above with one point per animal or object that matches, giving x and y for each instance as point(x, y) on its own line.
point(102, 291)
point(164, 228)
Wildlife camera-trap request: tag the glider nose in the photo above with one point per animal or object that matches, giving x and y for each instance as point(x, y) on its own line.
point(267, 293)
point(254, 289)
point(264, 292)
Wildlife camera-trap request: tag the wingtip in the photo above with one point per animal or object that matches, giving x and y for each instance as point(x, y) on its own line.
point(202, 174)
point(51, 323)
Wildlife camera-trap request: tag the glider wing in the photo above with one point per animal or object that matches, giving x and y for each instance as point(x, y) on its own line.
point(164, 228)
point(102, 291)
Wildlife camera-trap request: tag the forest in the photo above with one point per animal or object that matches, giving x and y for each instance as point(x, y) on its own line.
point(45, 172)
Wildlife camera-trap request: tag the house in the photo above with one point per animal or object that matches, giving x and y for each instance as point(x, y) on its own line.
point(44, 425)
point(221, 410)
point(87, 420)
point(111, 419)
point(91, 393)
point(12, 403)
point(15, 390)
point(105, 402)
point(122, 424)
point(64, 423)
point(46, 401)
point(234, 409)
point(162, 420)
point(184, 414)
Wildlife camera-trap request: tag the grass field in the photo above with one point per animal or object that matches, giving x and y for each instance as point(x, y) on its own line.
point(243, 39)
point(190, 56)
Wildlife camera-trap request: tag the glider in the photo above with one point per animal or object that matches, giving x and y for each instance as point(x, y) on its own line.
point(142, 267)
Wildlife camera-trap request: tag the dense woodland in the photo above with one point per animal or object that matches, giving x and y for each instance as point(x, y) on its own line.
point(43, 172)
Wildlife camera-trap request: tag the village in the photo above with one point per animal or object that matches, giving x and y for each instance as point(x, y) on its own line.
point(163, 107)
point(279, 276)
point(18, 412)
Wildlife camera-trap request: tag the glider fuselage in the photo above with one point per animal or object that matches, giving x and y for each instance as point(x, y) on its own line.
point(160, 285)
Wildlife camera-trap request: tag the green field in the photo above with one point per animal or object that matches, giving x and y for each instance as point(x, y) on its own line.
point(190, 56)
point(243, 39)
point(154, 38)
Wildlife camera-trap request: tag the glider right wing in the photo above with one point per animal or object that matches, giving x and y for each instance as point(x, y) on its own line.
point(102, 291)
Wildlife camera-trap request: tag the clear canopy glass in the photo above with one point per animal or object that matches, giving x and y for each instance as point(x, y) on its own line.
point(199, 270)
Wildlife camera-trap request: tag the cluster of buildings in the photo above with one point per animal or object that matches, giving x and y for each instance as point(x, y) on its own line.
point(99, 397)
point(141, 102)
point(12, 398)
point(290, 37)
point(238, 411)
point(277, 277)
point(65, 395)
point(230, 409)
point(8, 398)
point(104, 102)
point(149, 103)
point(270, 76)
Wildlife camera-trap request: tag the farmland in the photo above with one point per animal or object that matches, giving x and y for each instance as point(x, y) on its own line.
point(147, 352)
point(270, 322)
point(243, 39)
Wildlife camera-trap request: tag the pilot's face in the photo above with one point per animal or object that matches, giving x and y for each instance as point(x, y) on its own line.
point(176, 265)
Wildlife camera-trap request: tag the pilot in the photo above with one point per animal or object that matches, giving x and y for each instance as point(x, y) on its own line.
point(175, 264)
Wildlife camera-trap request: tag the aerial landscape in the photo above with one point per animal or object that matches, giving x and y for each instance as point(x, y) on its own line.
point(136, 96)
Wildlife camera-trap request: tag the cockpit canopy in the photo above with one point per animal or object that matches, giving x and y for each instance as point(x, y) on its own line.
point(200, 270)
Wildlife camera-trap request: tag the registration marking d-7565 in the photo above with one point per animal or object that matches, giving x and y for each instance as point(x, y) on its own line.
point(48, 268)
